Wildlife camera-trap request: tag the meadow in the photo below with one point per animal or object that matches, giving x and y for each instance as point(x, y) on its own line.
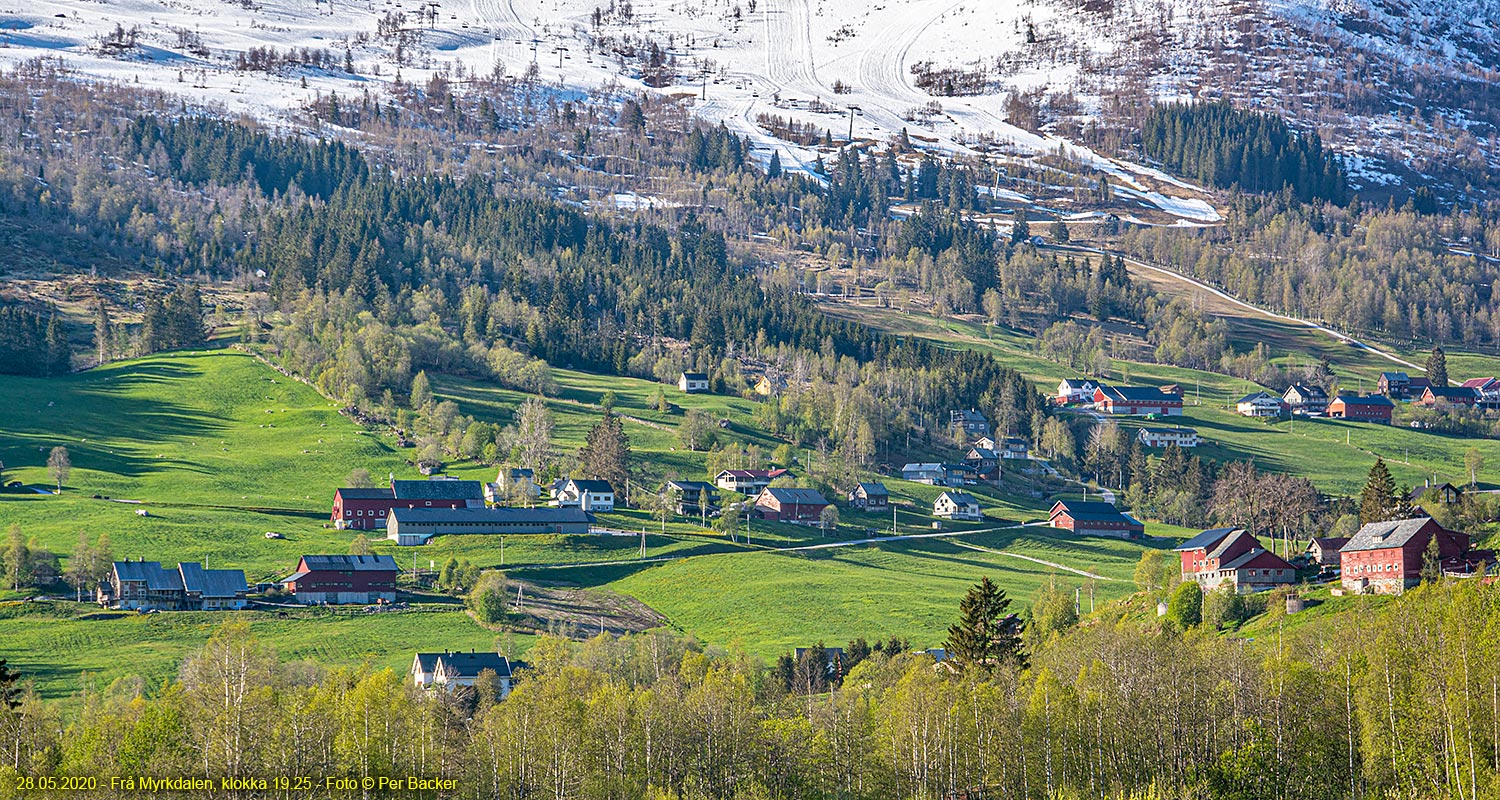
point(218, 449)
point(1334, 454)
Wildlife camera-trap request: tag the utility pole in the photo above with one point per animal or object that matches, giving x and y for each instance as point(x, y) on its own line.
point(852, 110)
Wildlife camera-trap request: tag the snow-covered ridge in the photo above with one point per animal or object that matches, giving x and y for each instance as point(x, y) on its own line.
point(836, 66)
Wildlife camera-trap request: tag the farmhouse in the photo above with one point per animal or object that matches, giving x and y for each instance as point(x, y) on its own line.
point(969, 422)
point(367, 509)
point(1400, 386)
point(934, 474)
point(1013, 447)
point(692, 382)
point(343, 580)
point(747, 481)
point(143, 585)
point(1136, 401)
point(1488, 388)
point(414, 526)
point(512, 482)
point(1451, 395)
point(449, 669)
point(693, 498)
point(957, 506)
point(1366, 408)
point(799, 506)
point(1386, 557)
point(1324, 550)
point(1095, 518)
point(984, 461)
point(1259, 404)
point(1161, 437)
point(766, 386)
point(1443, 493)
point(1075, 390)
point(589, 495)
point(870, 496)
point(1309, 400)
point(1233, 559)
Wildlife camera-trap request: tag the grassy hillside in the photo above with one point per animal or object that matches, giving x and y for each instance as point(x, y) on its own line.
point(1335, 455)
point(219, 449)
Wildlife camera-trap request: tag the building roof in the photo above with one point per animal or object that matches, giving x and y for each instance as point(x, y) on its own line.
point(1394, 376)
point(803, 497)
point(1306, 391)
point(1385, 535)
point(1365, 400)
point(1091, 510)
point(338, 563)
point(1478, 383)
point(1170, 431)
point(982, 453)
point(1329, 542)
point(365, 494)
point(965, 415)
point(592, 486)
point(212, 582)
point(693, 486)
point(923, 467)
point(1451, 392)
point(753, 473)
point(1258, 557)
point(694, 376)
point(1250, 398)
point(157, 578)
point(959, 498)
point(1205, 540)
point(438, 490)
point(1219, 550)
point(465, 665)
point(874, 489)
point(439, 516)
point(1137, 394)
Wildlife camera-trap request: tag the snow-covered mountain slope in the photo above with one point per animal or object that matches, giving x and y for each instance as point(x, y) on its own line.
point(998, 78)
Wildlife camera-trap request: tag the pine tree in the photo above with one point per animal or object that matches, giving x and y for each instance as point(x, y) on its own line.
point(10, 687)
point(773, 170)
point(1378, 500)
point(1437, 368)
point(985, 637)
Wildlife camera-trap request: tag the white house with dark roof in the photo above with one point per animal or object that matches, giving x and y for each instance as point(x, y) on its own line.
point(959, 506)
point(449, 670)
point(692, 382)
point(589, 495)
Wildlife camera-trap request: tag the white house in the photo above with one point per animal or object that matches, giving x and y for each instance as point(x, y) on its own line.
point(1076, 390)
point(1259, 404)
point(589, 495)
point(459, 669)
point(1161, 437)
point(957, 506)
point(693, 382)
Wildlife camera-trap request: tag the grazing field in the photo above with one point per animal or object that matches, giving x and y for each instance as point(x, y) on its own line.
point(771, 602)
point(65, 653)
point(217, 449)
point(1335, 455)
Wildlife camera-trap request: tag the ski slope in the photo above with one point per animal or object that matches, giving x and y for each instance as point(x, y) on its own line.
point(735, 59)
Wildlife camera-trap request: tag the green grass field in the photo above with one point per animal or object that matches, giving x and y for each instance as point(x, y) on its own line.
point(1335, 455)
point(65, 653)
point(219, 449)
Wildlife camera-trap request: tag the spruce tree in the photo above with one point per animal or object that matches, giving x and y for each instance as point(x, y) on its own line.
point(1437, 368)
point(774, 169)
point(606, 454)
point(10, 687)
point(985, 637)
point(1378, 500)
point(1432, 561)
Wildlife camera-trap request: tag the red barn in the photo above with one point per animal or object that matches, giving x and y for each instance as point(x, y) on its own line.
point(802, 506)
point(343, 579)
point(368, 509)
point(1096, 518)
point(1137, 401)
point(1370, 408)
point(1386, 557)
point(1233, 559)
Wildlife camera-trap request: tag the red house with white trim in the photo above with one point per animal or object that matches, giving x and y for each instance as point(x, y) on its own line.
point(1093, 517)
point(1137, 401)
point(1369, 408)
point(368, 509)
